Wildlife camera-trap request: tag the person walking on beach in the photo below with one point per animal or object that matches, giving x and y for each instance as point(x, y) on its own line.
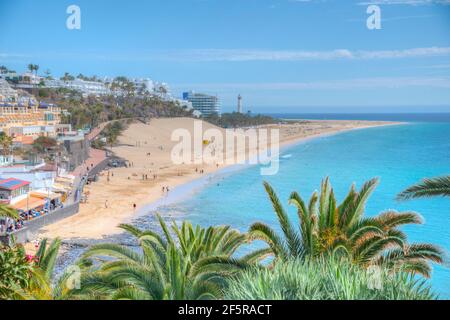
point(106, 204)
point(134, 206)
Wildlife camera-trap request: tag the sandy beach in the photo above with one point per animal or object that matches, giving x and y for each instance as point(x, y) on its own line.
point(148, 147)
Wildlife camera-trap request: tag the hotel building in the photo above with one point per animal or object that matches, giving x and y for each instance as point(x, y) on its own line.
point(24, 116)
point(203, 103)
point(87, 88)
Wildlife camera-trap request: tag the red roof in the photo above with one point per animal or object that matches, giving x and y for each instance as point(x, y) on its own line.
point(12, 184)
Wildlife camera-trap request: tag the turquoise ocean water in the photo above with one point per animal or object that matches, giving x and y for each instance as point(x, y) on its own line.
point(399, 155)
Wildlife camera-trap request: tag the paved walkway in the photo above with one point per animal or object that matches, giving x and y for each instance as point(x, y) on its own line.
point(95, 157)
point(96, 131)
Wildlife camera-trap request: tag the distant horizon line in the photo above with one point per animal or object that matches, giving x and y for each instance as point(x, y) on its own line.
point(346, 112)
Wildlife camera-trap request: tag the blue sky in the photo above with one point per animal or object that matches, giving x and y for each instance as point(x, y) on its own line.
point(281, 55)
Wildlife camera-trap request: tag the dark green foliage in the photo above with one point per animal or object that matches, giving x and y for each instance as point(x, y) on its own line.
point(236, 120)
point(184, 262)
point(15, 270)
point(325, 279)
point(434, 187)
point(326, 227)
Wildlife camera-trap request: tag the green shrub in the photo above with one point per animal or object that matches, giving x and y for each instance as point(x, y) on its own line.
point(325, 279)
point(15, 270)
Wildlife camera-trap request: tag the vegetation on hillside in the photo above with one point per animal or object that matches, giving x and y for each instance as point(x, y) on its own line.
point(112, 131)
point(237, 120)
point(6, 143)
point(44, 147)
point(89, 111)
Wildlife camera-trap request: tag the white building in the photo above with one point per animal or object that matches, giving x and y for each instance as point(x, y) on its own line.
point(87, 88)
point(39, 178)
point(145, 84)
point(6, 160)
point(30, 78)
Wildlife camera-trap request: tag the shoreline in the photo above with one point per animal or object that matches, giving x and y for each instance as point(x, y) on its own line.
point(197, 184)
point(89, 224)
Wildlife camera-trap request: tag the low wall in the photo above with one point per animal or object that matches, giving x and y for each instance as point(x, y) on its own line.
point(31, 229)
point(99, 167)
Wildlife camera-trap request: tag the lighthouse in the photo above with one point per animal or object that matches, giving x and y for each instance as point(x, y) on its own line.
point(239, 106)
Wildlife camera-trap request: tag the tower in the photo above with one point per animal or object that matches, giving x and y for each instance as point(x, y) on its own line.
point(239, 106)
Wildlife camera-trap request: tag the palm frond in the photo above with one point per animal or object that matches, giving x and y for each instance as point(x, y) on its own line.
point(8, 212)
point(430, 187)
point(261, 231)
point(292, 238)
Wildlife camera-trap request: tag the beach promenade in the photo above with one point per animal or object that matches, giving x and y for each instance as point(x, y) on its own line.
point(95, 158)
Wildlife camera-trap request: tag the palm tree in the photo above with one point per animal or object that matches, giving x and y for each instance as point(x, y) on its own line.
point(40, 286)
point(30, 67)
point(33, 68)
point(48, 74)
point(327, 228)
point(434, 187)
point(8, 212)
point(67, 77)
point(14, 270)
point(193, 269)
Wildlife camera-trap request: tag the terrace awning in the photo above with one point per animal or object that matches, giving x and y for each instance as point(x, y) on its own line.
point(45, 195)
point(29, 204)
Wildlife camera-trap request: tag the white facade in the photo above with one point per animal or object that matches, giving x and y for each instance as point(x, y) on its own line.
point(145, 83)
point(6, 160)
point(30, 78)
point(33, 130)
point(85, 87)
point(39, 180)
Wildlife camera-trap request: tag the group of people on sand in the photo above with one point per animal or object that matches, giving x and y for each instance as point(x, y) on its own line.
point(201, 171)
point(165, 189)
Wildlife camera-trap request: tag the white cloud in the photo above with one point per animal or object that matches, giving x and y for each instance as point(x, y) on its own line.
point(12, 55)
point(245, 55)
point(240, 55)
point(359, 83)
